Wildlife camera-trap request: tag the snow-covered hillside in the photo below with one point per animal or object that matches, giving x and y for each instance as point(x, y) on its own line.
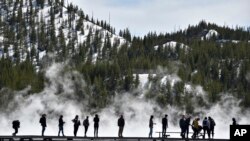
point(172, 45)
point(52, 19)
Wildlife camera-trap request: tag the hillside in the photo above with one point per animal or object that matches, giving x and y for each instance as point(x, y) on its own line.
point(38, 27)
point(204, 61)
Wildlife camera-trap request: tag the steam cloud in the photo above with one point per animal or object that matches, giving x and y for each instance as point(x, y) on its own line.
point(59, 97)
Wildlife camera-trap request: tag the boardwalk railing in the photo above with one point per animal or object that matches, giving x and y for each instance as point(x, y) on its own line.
point(67, 138)
point(167, 134)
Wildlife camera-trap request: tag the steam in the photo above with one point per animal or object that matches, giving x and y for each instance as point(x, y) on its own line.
point(59, 98)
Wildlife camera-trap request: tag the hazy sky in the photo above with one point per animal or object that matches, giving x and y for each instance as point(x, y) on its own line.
point(142, 16)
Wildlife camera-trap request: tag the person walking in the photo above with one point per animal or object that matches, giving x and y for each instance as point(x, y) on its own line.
point(61, 123)
point(206, 127)
point(187, 123)
point(86, 125)
point(96, 125)
point(164, 125)
point(77, 123)
point(151, 126)
point(15, 125)
point(43, 123)
point(212, 125)
point(182, 125)
point(121, 124)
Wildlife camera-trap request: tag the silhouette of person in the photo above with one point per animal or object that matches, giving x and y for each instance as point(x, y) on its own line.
point(61, 123)
point(86, 125)
point(77, 123)
point(151, 126)
point(15, 125)
point(43, 123)
point(121, 124)
point(234, 121)
point(206, 127)
point(164, 125)
point(187, 123)
point(195, 127)
point(212, 124)
point(96, 125)
point(182, 125)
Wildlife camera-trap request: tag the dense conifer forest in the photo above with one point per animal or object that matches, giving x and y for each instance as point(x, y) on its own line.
point(37, 33)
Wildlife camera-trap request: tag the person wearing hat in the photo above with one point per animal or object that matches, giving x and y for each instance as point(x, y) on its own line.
point(43, 123)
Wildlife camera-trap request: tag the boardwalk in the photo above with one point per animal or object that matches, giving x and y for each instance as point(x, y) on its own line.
point(56, 138)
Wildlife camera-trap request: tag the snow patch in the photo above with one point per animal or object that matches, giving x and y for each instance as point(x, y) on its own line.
point(42, 54)
point(172, 45)
point(211, 33)
point(171, 79)
point(235, 41)
point(143, 78)
point(188, 88)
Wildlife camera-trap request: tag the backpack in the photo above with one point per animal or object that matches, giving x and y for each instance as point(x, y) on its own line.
point(41, 120)
point(16, 124)
point(85, 123)
point(212, 123)
point(205, 123)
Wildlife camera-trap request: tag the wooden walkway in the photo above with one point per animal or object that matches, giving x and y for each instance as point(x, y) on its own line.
point(67, 138)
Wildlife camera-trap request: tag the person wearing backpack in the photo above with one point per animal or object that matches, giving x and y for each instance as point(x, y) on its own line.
point(77, 123)
point(212, 124)
point(43, 123)
point(86, 125)
point(15, 125)
point(206, 127)
point(196, 127)
point(61, 123)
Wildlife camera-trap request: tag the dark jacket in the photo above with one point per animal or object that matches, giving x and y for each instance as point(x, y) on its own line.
point(86, 122)
point(16, 124)
point(235, 123)
point(43, 121)
point(96, 121)
point(182, 123)
point(187, 122)
point(61, 122)
point(121, 122)
point(151, 123)
point(164, 122)
point(77, 122)
point(212, 123)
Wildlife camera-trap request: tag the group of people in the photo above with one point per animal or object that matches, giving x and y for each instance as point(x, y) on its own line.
point(207, 126)
point(76, 123)
point(164, 125)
